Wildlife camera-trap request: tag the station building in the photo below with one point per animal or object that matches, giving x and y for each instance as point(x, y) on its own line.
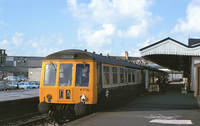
point(175, 55)
point(20, 65)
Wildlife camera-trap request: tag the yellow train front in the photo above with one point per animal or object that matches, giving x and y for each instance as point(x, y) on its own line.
point(67, 83)
point(74, 80)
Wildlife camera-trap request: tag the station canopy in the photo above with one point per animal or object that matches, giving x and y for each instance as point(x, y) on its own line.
point(172, 54)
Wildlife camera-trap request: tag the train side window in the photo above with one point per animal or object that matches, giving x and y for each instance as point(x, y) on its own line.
point(138, 76)
point(121, 75)
point(114, 73)
point(133, 76)
point(50, 75)
point(65, 76)
point(129, 76)
point(106, 70)
point(82, 75)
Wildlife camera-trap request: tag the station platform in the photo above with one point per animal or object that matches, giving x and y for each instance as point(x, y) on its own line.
point(18, 94)
point(174, 107)
point(18, 102)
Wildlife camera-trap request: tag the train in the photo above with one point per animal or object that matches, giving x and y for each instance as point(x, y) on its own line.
point(74, 80)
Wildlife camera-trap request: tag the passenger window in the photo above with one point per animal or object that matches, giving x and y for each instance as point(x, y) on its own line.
point(129, 76)
point(114, 71)
point(82, 75)
point(65, 76)
point(121, 75)
point(50, 75)
point(106, 74)
point(133, 76)
point(138, 76)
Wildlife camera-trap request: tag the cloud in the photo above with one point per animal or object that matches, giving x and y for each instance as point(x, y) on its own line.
point(191, 24)
point(17, 39)
point(49, 40)
point(134, 30)
point(3, 44)
point(98, 38)
point(125, 18)
point(3, 23)
point(40, 46)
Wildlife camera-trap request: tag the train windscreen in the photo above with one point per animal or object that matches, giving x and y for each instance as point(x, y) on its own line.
point(50, 75)
point(82, 75)
point(65, 76)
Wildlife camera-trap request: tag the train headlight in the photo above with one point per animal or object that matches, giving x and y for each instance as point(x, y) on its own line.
point(83, 98)
point(49, 97)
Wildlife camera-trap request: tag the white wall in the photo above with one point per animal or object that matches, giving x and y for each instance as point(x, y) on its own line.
point(34, 74)
point(195, 60)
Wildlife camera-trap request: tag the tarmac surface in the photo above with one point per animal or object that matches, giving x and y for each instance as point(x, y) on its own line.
point(172, 108)
point(18, 94)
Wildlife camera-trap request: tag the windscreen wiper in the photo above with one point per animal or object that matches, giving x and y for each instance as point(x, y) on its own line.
point(53, 66)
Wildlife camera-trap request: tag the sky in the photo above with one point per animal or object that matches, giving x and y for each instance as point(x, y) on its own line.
point(42, 27)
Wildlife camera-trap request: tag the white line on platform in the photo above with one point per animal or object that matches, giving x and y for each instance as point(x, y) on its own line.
point(179, 122)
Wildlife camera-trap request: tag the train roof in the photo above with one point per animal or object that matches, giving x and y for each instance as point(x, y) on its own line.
point(80, 54)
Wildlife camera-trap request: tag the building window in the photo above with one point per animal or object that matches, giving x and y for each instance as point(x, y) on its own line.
point(106, 70)
point(19, 60)
point(25, 60)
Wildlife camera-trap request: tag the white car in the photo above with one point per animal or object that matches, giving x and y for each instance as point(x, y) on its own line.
point(10, 78)
point(13, 84)
point(24, 85)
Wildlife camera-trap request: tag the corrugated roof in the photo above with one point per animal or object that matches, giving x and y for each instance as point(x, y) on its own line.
point(156, 43)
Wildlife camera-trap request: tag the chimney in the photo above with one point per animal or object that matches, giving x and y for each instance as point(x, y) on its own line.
point(126, 55)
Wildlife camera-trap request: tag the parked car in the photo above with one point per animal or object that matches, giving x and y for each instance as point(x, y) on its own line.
point(24, 85)
point(2, 88)
point(35, 82)
point(6, 86)
point(21, 78)
point(13, 84)
point(33, 85)
point(10, 78)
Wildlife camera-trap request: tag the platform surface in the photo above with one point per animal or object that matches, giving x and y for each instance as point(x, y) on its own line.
point(18, 94)
point(172, 108)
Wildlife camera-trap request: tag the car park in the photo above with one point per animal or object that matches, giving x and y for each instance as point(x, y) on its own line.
point(2, 88)
point(13, 84)
point(10, 78)
point(33, 85)
point(24, 85)
point(35, 82)
point(6, 86)
point(21, 78)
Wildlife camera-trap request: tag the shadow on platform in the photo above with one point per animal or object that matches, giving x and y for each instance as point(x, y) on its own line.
point(173, 99)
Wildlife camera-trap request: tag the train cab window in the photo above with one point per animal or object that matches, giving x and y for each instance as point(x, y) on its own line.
point(106, 70)
point(50, 75)
point(82, 75)
point(121, 75)
point(65, 76)
point(129, 76)
point(114, 73)
point(133, 76)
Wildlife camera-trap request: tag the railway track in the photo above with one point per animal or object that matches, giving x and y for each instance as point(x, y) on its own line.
point(38, 119)
point(24, 120)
